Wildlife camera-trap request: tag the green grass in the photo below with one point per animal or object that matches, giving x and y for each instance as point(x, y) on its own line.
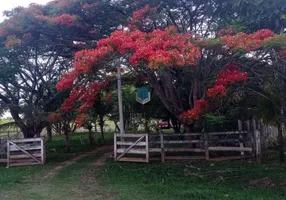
point(13, 176)
point(72, 182)
point(128, 181)
point(79, 144)
point(199, 180)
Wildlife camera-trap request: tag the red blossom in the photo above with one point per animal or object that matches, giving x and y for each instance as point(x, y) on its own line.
point(55, 116)
point(282, 53)
point(12, 41)
point(200, 107)
point(81, 119)
point(3, 32)
point(65, 19)
point(225, 78)
point(247, 42)
point(67, 80)
point(107, 97)
point(27, 36)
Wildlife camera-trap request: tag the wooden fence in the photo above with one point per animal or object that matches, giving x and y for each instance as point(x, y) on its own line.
point(22, 152)
point(131, 144)
point(3, 150)
point(192, 146)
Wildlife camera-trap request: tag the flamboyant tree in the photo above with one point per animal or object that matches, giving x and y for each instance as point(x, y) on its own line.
point(158, 55)
point(37, 45)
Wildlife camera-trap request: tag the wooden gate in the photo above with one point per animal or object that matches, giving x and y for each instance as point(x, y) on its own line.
point(21, 152)
point(131, 147)
point(3, 150)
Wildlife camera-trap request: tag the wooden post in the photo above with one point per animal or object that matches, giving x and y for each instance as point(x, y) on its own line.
point(257, 146)
point(239, 123)
point(42, 151)
point(207, 154)
point(253, 138)
point(8, 153)
point(162, 147)
point(115, 146)
point(147, 148)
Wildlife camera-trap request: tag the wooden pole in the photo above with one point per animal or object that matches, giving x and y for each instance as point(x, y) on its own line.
point(258, 146)
point(115, 146)
point(42, 151)
point(147, 148)
point(256, 141)
point(8, 153)
point(207, 153)
point(121, 125)
point(239, 123)
point(162, 148)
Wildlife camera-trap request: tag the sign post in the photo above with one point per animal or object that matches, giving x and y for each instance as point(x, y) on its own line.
point(120, 101)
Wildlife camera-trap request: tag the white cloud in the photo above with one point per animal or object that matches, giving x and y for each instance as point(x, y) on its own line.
point(10, 4)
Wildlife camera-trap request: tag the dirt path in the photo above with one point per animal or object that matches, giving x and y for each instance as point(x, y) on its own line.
point(60, 166)
point(68, 180)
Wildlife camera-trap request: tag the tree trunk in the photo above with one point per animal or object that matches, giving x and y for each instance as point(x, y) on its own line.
point(49, 132)
point(90, 137)
point(176, 125)
point(101, 124)
point(117, 129)
point(146, 126)
point(95, 126)
point(67, 141)
point(281, 142)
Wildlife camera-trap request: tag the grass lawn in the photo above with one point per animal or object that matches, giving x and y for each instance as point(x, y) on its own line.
point(83, 180)
point(195, 180)
point(55, 154)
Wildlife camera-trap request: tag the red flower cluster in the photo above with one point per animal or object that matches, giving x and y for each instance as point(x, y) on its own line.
point(227, 31)
point(80, 119)
point(65, 20)
point(86, 59)
point(27, 36)
point(12, 41)
point(67, 80)
point(70, 101)
point(3, 32)
point(140, 15)
point(225, 78)
point(282, 53)
point(157, 49)
point(55, 116)
point(247, 42)
point(107, 97)
point(194, 114)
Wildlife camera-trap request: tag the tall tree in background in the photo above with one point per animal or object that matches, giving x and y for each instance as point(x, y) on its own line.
point(37, 44)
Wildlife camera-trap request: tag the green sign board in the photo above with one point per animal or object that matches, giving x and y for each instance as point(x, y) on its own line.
point(143, 95)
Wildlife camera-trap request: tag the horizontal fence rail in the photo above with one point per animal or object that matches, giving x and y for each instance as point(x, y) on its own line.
point(192, 146)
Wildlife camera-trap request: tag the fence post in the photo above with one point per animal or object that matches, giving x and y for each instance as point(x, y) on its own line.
point(258, 145)
point(256, 141)
point(207, 154)
point(239, 123)
point(42, 150)
point(162, 147)
point(147, 148)
point(115, 146)
point(8, 153)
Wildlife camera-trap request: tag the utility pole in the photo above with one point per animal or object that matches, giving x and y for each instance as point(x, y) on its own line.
point(120, 101)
